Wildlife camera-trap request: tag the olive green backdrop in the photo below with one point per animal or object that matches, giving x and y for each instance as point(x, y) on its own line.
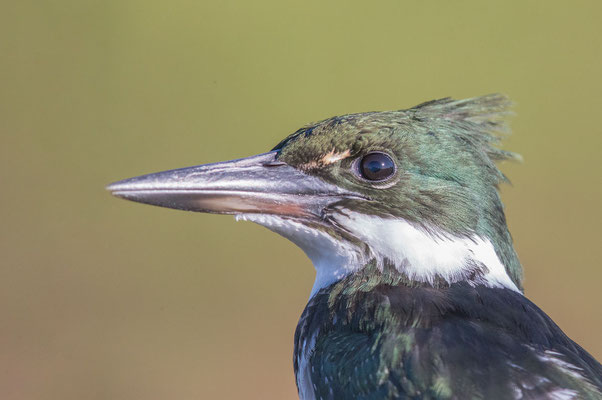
point(105, 299)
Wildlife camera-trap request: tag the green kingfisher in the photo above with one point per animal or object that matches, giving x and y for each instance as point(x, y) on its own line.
point(418, 291)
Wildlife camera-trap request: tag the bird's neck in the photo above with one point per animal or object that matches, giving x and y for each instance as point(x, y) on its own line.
point(420, 255)
point(367, 295)
point(417, 255)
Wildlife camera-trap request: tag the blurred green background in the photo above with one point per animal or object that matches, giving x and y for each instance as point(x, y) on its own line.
point(105, 299)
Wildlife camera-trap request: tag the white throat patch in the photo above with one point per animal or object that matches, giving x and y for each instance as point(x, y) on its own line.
point(333, 259)
point(422, 256)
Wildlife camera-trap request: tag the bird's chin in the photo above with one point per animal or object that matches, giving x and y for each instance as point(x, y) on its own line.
point(298, 222)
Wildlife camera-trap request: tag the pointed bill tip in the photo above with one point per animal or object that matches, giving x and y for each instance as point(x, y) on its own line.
point(116, 187)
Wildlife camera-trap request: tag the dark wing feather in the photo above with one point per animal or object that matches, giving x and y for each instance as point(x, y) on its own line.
point(388, 350)
point(455, 361)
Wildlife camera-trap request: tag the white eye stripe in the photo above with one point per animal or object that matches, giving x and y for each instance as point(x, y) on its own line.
point(327, 159)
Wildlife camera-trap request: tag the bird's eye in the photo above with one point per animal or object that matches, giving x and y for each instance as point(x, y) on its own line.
point(377, 167)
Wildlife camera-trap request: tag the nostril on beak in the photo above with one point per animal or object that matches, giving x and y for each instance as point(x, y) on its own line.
point(274, 164)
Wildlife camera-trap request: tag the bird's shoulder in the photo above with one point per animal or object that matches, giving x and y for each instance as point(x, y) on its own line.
point(395, 341)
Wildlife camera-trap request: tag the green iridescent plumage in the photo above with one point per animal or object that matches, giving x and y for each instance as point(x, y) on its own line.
point(446, 154)
point(376, 338)
point(377, 334)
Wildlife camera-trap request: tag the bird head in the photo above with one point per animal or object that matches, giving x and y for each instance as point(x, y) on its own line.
point(412, 191)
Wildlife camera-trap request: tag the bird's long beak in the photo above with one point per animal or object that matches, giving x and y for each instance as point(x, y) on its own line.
point(257, 184)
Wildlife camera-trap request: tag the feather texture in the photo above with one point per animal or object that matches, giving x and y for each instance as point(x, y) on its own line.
point(374, 338)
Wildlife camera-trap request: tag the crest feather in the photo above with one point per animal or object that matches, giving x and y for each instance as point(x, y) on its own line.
point(482, 119)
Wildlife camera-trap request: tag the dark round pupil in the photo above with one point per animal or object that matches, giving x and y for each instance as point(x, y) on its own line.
point(377, 167)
